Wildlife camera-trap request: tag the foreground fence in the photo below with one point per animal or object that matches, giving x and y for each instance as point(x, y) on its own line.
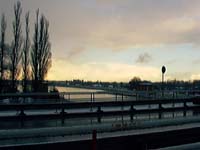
point(98, 109)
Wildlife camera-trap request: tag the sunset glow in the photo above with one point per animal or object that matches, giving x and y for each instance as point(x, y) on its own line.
point(114, 40)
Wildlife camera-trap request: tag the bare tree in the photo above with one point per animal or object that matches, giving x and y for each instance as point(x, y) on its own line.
point(41, 51)
point(34, 53)
point(44, 49)
point(26, 55)
point(16, 45)
point(2, 52)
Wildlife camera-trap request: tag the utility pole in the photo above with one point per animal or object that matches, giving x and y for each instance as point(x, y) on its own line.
point(163, 72)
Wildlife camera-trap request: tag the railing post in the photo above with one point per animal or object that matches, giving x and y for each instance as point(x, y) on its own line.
point(63, 110)
point(122, 108)
point(63, 113)
point(22, 114)
point(99, 111)
point(185, 108)
point(132, 112)
point(93, 98)
point(160, 105)
point(173, 113)
point(149, 107)
point(160, 110)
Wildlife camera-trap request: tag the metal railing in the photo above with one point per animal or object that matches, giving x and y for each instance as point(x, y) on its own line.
point(99, 109)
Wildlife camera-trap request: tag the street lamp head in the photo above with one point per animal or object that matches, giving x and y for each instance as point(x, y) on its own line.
point(163, 69)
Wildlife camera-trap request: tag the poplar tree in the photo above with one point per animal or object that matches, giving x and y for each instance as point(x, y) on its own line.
point(26, 55)
point(16, 46)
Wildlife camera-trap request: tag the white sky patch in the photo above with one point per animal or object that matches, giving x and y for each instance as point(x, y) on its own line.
point(63, 70)
point(195, 77)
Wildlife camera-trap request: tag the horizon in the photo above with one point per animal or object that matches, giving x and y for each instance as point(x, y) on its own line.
point(116, 40)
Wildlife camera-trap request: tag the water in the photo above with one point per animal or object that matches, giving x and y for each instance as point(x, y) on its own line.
point(70, 89)
point(89, 97)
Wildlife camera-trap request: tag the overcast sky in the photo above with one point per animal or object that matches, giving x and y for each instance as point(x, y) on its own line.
point(114, 40)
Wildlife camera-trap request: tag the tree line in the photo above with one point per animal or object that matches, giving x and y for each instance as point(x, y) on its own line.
point(23, 59)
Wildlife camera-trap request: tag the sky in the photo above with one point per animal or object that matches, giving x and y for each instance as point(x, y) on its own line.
point(115, 40)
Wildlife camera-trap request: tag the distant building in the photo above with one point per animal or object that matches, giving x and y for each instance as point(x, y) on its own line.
point(144, 86)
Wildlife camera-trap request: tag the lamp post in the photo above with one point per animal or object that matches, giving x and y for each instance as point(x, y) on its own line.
point(163, 72)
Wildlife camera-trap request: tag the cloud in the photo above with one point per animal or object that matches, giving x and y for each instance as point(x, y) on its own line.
point(144, 58)
point(117, 24)
point(75, 52)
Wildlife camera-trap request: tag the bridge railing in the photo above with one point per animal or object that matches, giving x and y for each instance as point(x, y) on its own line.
point(65, 97)
point(92, 96)
point(98, 109)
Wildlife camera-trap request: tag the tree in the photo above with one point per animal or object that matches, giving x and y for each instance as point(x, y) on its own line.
point(134, 82)
point(44, 49)
point(26, 56)
point(34, 53)
point(16, 45)
point(2, 52)
point(41, 51)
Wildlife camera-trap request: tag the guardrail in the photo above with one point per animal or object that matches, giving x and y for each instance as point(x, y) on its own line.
point(96, 109)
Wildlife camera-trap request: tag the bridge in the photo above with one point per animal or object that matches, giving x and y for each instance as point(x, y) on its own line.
point(129, 110)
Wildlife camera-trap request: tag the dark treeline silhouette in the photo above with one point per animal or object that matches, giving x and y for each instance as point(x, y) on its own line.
point(21, 59)
point(134, 83)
